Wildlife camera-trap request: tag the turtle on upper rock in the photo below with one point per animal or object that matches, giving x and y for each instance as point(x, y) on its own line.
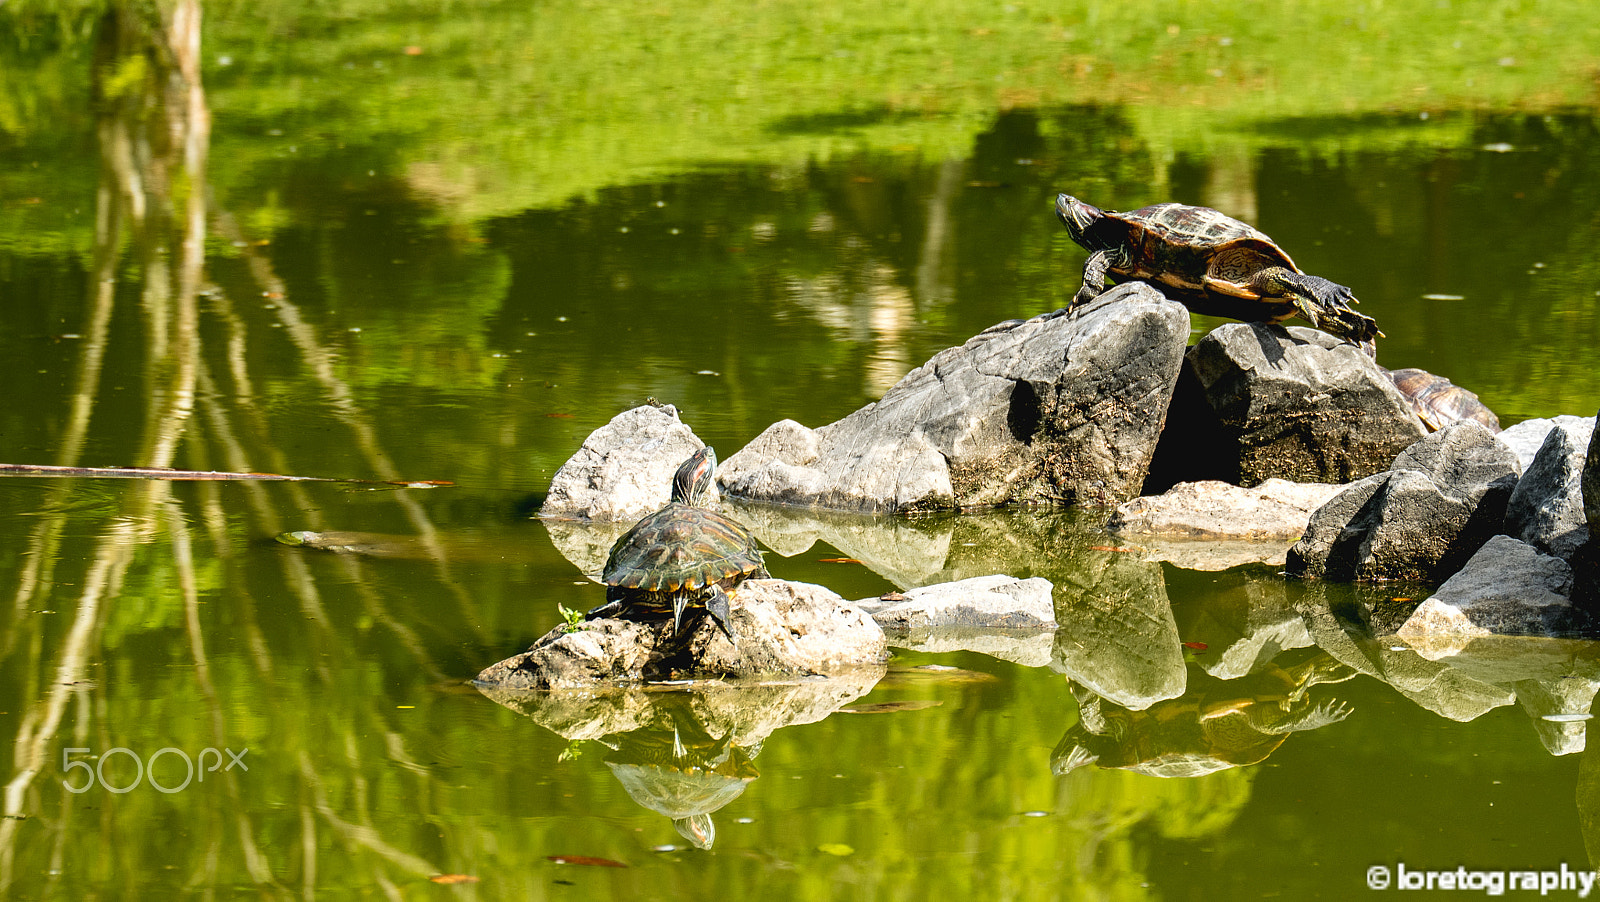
point(683, 555)
point(1209, 262)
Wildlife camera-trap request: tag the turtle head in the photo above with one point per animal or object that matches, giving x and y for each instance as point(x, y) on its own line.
point(694, 483)
point(1077, 216)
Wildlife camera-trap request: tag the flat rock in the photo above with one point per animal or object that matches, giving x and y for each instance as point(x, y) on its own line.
point(1546, 509)
point(1274, 510)
point(977, 603)
point(1058, 409)
point(783, 628)
point(624, 469)
point(1507, 588)
point(1300, 404)
point(1422, 520)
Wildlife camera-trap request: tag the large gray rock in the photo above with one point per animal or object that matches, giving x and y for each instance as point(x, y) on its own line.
point(1546, 509)
point(1421, 520)
point(1507, 588)
point(624, 469)
point(1301, 405)
point(1057, 409)
point(1527, 437)
point(783, 628)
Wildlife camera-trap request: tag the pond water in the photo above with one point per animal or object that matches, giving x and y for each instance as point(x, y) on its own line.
point(314, 261)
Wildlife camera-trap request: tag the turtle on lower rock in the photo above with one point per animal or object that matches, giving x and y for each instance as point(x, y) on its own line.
point(682, 556)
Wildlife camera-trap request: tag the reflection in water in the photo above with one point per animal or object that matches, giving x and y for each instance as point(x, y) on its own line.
point(1215, 725)
point(685, 754)
point(684, 774)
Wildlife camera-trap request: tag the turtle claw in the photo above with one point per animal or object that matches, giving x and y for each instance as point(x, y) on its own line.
point(717, 607)
point(679, 602)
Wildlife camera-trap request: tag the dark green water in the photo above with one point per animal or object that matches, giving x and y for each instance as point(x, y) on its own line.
point(357, 300)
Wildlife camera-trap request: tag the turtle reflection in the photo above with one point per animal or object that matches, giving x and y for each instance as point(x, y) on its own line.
point(1217, 724)
point(683, 773)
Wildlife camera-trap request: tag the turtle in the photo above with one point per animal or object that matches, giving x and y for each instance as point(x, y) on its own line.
point(1438, 402)
point(1208, 261)
point(683, 555)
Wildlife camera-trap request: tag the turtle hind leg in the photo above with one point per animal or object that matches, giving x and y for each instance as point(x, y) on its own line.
point(717, 607)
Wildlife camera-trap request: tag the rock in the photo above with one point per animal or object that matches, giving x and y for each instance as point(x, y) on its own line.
point(1507, 588)
point(1546, 509)
point(1000, 616)
point(624, 469)
point(1057, 409)
point(978, 603)
point(1527, 437)
point(782, 627)
point(1591, 485)
point(1274, 510)
point(1421, 520)
point(1300, 404)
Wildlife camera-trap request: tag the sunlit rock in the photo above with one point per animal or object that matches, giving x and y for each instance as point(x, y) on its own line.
point(1507, 588)
point(624, 469)
point(781, 627)
point(1301, 404)
point(1213, 525)
point(1275, 509)
point(1000, 616)
point(1057, 409)
point(1117, 636)
point(1527, 437)
point(1422, 520)
point(982, 602)
point(1546, 509)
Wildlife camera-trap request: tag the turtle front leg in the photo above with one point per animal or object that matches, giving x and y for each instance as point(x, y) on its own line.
point(717, 607)
point(1094, 279)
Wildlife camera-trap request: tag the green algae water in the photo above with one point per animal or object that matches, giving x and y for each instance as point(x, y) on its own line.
point(386, 242)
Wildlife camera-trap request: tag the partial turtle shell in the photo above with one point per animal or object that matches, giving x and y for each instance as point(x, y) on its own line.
point(1438, 402)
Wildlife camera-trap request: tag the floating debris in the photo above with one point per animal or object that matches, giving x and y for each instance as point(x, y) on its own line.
point(1444, 297)
point(1566, 718)
point(585, 860)
point(891, 707)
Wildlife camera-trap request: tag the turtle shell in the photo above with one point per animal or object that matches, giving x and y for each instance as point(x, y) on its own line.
point(680, 548)
point(1179, 245)
point(1438, 402)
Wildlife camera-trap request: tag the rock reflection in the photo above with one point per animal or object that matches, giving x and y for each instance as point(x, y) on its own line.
point(1217, 724)
point(1118, 637)
point(686, 754)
